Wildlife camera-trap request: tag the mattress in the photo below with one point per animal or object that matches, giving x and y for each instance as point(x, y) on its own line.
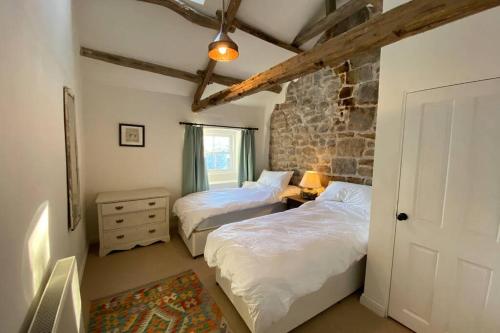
point(215, 222)
point(194, 208)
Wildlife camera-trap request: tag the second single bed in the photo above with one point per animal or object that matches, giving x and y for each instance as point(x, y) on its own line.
point(282, 269)
point(201, 213)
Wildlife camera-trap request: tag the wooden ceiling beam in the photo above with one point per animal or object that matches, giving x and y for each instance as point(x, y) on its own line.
point(332, 19)
point(404, 21)
point(229, 81)
point(197, 17)
point(162, 70)
point(231, 11)
point(188, 12)
point(237, 23)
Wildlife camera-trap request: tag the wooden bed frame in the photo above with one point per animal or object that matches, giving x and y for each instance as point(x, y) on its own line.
point(335, 289)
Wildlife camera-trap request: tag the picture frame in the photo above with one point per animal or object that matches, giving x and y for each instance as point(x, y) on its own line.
point(72, 169)
point(132, 135)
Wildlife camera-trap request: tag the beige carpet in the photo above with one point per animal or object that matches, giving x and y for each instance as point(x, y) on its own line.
point(121, 271)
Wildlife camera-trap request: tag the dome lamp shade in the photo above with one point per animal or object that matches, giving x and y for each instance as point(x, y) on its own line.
point(223, 48)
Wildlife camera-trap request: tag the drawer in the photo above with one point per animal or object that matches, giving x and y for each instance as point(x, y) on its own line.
point(117, 221)
point(113, 238)
point(121, 236)
point(133, 206)
point(155, 230)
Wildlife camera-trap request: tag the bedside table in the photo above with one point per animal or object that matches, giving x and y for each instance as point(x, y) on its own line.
point(295, 201)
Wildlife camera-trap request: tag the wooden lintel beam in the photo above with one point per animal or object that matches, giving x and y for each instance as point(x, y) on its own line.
point(332, 19)
point(231, 11)
point(159, 69)
point(407, 20)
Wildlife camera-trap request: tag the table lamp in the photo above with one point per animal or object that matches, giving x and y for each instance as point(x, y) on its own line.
point(310, 184)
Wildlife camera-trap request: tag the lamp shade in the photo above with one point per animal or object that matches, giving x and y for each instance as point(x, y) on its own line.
point(310, 180)
point(223, 48)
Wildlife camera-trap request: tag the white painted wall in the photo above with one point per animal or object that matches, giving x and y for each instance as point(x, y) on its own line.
point(110, 167)
point(38, 57)
point(462, 51)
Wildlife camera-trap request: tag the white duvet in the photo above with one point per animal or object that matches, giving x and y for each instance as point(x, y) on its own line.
point(194, 208)
point(273, 260)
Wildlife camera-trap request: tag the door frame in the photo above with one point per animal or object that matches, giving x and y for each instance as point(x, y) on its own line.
point(400, 152)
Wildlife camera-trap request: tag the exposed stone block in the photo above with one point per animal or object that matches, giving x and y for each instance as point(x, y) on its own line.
point(365, 171)
point(369, 152)
point(362, 74)
point(361, 119)
point(344, 166)
point(367, 93)
point(366, 162)
point(352, 147)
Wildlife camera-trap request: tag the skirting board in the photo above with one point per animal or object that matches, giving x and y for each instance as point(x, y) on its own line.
point(82, 262)
point(374, 306)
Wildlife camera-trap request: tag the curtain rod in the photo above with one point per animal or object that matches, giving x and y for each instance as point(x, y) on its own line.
point(221, 126)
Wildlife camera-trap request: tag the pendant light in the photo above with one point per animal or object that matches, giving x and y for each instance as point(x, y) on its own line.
point(223, 48)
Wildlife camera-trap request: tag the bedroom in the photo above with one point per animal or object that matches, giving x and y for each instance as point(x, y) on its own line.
point(352, 120)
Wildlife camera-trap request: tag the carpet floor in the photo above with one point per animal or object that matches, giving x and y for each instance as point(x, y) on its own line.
point(122, 271)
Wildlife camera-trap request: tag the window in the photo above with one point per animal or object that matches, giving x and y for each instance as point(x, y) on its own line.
point(221, 149)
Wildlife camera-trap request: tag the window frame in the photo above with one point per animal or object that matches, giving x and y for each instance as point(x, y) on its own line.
point(230, 176)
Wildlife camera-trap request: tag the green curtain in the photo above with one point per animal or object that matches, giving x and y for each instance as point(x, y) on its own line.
point(194, 171)
point(247, 157)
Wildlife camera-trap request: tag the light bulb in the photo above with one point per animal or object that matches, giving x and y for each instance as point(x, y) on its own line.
point(222, 50)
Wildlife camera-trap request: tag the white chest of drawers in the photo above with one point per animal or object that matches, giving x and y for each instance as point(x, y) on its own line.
point(130, 218)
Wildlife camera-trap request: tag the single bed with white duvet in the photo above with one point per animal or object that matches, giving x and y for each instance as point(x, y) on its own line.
point(202, 212)
point(270, 262)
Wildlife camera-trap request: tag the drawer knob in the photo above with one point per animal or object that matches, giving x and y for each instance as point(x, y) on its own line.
point(119, 221)
point(120, 236)
point(152, 203)
point(152, 231)
point(152, 216)
point(119, 207)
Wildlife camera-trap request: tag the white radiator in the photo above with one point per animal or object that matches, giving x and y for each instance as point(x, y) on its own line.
point(60, 308)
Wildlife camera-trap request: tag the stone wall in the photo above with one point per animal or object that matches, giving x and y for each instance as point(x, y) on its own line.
point(327, 122)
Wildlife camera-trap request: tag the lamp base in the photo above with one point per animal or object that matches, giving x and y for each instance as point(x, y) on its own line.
point(309, 194)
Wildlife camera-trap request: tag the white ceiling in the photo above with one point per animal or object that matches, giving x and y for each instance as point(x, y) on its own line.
point(156, 34)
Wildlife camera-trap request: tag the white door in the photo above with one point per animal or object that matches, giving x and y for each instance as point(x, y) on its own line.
point(447, 252)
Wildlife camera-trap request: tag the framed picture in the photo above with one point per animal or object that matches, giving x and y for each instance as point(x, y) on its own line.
point(72, 172)
point(131, 135)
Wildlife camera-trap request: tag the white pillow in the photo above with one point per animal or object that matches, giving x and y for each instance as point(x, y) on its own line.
point(348, 193)
point(276, 179)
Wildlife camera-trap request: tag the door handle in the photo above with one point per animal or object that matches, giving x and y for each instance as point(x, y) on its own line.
point(402, 217)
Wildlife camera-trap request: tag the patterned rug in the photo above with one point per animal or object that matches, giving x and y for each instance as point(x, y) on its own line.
point(177, 304)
